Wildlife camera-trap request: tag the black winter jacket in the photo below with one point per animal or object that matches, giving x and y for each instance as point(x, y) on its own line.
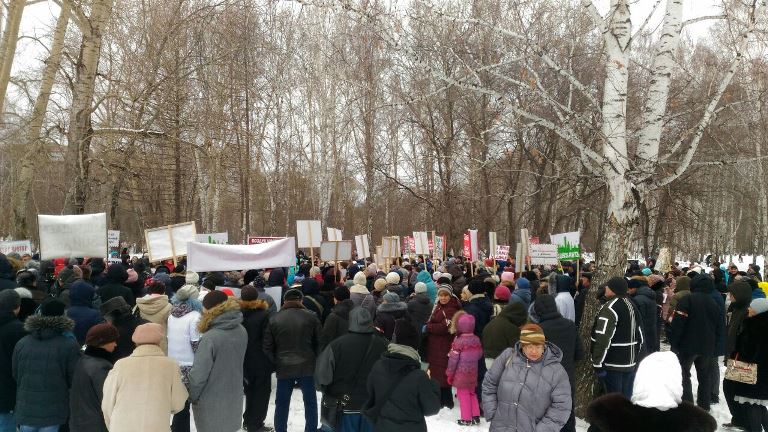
point(126, 324)
point(255, 320)
point(11, 332)
point(386, 316)
point(737, 313)
point(504, 330)
point(562, 332)
point(614, 413)
point(87, 391)
point(7, 280)
point(645, 301)
point(43, 365)
point(695, 325)
point(752, 347)
point(617, 336)
point(292, 341)
point(419, 309)
point(337, 323)
point(482, 309)
point(112, 290)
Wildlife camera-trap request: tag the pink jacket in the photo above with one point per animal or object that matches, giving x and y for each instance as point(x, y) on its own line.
point(466, 351)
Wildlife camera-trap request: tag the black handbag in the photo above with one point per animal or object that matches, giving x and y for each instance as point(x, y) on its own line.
point(331, 407)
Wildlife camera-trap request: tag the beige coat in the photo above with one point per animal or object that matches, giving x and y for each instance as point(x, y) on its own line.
point(142, 391)
point(156, 309)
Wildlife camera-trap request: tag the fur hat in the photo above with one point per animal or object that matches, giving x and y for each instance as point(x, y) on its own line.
point(23, 292)
point(532, 334)
point(213, 299)
point(53, 308)
point(187, 291)
point(192, 278)
point(393, 278)
point(9, 300)
point(379, 284)
point(420, 287)
point(476, 286)
point(148, 334)
point(618, 285)
point(502, 293)
point(293, 295)
point(249, 293)
point(391, 297)
point(101, 334)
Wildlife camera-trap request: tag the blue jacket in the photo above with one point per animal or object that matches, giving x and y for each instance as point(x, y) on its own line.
point(81, 310)
point(480, 307)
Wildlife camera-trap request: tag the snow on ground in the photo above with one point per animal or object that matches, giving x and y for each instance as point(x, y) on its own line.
point(445, 420)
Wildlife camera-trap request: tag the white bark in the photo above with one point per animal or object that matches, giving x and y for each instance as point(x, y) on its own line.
point(8, 46)
point(614, 126)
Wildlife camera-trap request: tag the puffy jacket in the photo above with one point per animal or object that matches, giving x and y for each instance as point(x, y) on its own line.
point(526, 396)
point(561, 332)
point(386, 315)
point(481, 308)
point(617, 336)
point(255, 320)
point(439, 339)
point(466, 350)
point(81, 309)
point(696, 326)
point(615, 413)
point(156, 309)
point(419, 309)
point(88, 390)
point(645, 301)
point(292, 341)
point(337, 323)
point(424, 276)
point(504, 330)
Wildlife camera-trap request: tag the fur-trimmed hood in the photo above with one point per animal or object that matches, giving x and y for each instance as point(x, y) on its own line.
point(225, 316)
point(253, 304)
point(46, 327)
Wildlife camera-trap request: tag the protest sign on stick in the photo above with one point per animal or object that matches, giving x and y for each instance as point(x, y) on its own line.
point(206, 257)
point(169, 242)
point(20, 247)
point(544, 254)
point(361, 244)
point(309, 234)
point(73, 236)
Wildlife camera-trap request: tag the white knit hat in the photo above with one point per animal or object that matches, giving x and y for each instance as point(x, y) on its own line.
point(393, 278)
point(420, 287)
point(191, 278)
point(658, 382)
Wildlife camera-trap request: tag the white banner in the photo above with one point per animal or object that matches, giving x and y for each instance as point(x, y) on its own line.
point(362, 246)
point(492, 243)
point(73, 236)
point(502, 252)
point(334, 234)
point(169, 241)
point(21, 247)
point(543, 254)
point(473, 245)
point(336, 250)
point(203, 257)
point(421, 240)
point(309, 234)
point(213, 238)
point(113, 238)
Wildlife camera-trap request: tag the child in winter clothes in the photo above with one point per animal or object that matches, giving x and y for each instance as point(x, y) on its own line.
point(463, 358)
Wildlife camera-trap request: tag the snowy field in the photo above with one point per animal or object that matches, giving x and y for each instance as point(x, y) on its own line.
point(445, 420)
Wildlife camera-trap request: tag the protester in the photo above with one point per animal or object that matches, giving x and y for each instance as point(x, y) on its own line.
point(81, 310)
point(527, 389)
point(656, 403)
point(504, 330)
point(291, 341)
point(342, 369)
point(439, 340)
point(501, 297)
point(257, 368)
point(43, 365)
point(431, 287)
point(314, 301)
point(155, 307)
point(390, 310)
point(118, 312)
point(522, 293)
point(127, 404)
point(91, 371)
point(563, 298)
point(7, 275)
point(183, 340)
point(419, 305)
point(115, 285)
point(11, 332)
point(463, 358)
point(216, 377)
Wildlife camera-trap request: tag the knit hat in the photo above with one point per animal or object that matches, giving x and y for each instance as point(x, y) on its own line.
point(658, 382)
point(647, 271)
point(228, 292)
point(101, 334)
point(187, 291)
point(634, 284)
point(618, 285)
point(9, 300)
point(132, 276)
point(502, 293)
point(148, 334)
point(116, 274)
point(293, 295)
point(360, 320)
point(759, 305)
point(393, 278)
point(249, 293)
point(476, 286)
point(359, 279)
point(420, 287)
point(445, 288)
point(52, 308)
point(341, 293)
point(436, 276)
point(114, 304)
point(379, 284)
point(523, 283)
point(391, 297)
point(213, 299)
point(192, 278)
point(532, 334)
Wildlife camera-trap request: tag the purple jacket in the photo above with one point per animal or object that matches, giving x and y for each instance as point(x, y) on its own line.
point(466, 351)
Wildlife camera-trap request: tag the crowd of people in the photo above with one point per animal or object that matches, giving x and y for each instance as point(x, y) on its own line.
point(86, 346)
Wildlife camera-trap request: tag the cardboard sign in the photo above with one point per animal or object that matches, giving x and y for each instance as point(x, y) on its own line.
point(543, 254)
point(568, 245)
point(309, 234)
point(362, 247)
point(492, 243)
point(439, 250)
point(169, 241)
point(421, 242)
point(113, 238)
point(73, 236)
point(213, 238)
point(204, 257)
point(21, 247)
point(390, 247)
point(409, 246)
point(252, 240)
point(502, 252)
point(336, 250)
point(334, 234)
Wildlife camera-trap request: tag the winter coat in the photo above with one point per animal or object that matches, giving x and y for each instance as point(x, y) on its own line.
point(386, 315)
point(292, 341)
point(695, 326)
point(216, 378)
point(419, 309)
point(128, 406)
point(126, 324)
point(752, 347)
point(7, 278)
point(561, 332)
point(682, 289)
point(255, 320)
point(504, 330)
point(522, 395)
point(564, 299)
point(458, 285)
point(415, 397)
point(43, 365)
point(156, 309)
point(439, 339)
point(87, 391)
point(645, 302)
point(522, 295)
point(424, 276)
point(341, 359)
point(11, 332)
point(183, 335)
point(721, 332)
point(617, 336)
point(81, 309)
point(737, 313)
point(337, 323)
point(481, 308)
point(465, 352)
point(114, 289)
point(614, 413)
point(361, 297)
point(397, 289)
point(313, 301)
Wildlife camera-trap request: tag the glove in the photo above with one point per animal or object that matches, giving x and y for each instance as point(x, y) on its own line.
point(601, 373)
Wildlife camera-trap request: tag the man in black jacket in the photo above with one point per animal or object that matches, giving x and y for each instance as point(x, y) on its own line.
point(292, 342)
point(695, 330)
point(11, 331)
point(342, 369)
point(114, 287)
point(85, 396)
point(257, 368)
point(645, 300)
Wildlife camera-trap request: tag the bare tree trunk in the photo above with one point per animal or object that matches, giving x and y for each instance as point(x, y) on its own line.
point(8, 46)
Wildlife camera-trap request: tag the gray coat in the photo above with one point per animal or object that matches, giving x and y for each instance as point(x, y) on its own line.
point(216, 378)
point(522, 396)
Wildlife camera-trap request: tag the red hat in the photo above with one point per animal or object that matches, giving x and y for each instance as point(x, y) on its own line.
point(489, 262)
point(228, 292)
point(502, 293)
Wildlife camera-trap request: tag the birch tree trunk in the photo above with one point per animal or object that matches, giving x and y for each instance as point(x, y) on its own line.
point(8, 46)
point(26, 175)
point(79, 134)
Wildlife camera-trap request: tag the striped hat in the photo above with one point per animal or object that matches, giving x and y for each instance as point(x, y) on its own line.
point(532, 334)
